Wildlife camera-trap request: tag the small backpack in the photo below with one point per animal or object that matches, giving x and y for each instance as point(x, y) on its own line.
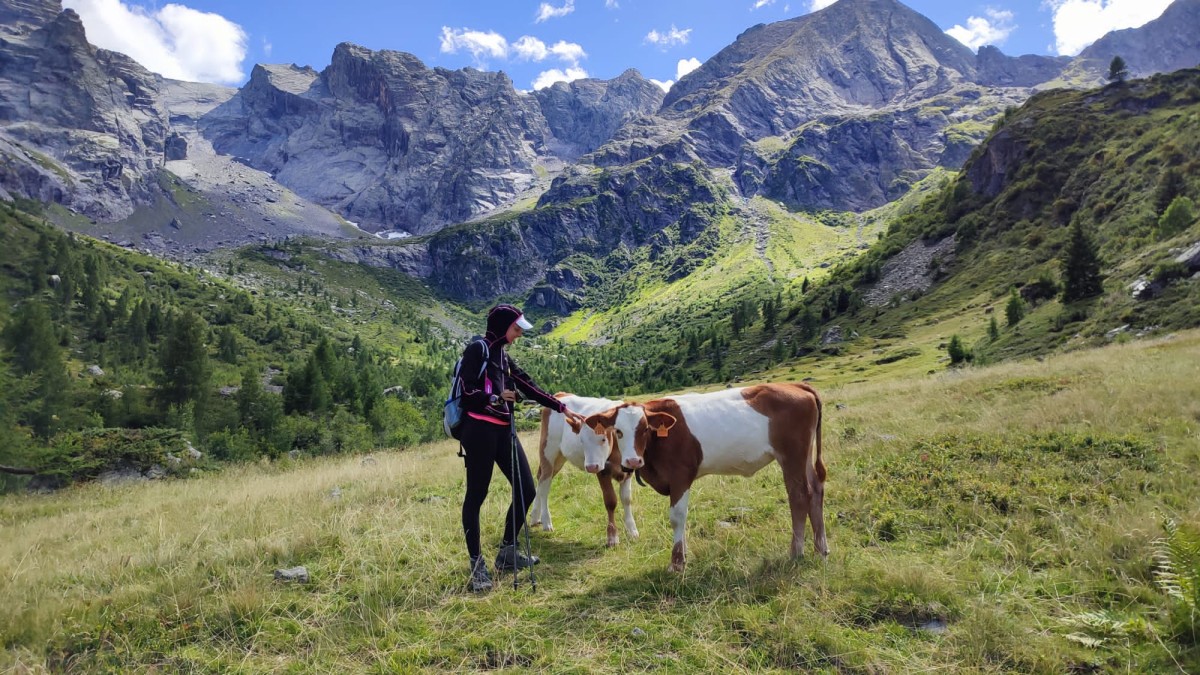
point(452, 412)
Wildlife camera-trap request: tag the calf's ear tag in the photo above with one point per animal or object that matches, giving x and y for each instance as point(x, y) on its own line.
point(661, 432)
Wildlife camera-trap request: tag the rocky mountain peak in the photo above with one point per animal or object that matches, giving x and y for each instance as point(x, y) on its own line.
point(1165, 44)
point(19, 18)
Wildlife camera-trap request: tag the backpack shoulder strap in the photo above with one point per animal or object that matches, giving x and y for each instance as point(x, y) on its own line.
point(486, 355)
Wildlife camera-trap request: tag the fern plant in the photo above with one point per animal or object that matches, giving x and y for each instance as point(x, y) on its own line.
point(1178, 573)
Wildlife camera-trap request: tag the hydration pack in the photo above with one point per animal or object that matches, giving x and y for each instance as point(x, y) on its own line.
point(452, 411)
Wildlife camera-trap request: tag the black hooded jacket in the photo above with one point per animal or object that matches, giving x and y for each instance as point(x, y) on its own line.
point(502, 371)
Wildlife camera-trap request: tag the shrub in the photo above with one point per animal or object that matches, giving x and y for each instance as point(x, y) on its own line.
point(1178, 216)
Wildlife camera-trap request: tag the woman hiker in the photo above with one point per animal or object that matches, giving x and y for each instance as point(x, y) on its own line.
point(487, 403)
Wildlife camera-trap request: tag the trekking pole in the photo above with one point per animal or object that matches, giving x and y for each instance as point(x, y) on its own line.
point(520, 491)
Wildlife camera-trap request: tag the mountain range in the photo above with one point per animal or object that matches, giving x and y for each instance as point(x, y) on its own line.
point(490, 190)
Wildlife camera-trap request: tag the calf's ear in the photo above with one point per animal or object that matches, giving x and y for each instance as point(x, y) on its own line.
point(576, 425)
point(662, 423)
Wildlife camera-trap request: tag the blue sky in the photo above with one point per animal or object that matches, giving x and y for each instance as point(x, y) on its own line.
point(538, 42)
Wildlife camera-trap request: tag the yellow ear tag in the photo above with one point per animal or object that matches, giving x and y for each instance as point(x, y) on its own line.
point(661, 432)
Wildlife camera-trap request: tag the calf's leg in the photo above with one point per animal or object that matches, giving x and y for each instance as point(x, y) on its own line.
point(796, 482)
point(679, 508)
point(547, 469)
point(610, 505)
point(627, 504)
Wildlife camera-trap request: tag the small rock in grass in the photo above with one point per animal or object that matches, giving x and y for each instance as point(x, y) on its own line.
point(298, 574)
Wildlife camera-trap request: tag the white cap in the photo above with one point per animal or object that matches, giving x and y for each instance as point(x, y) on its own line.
point(523, 322)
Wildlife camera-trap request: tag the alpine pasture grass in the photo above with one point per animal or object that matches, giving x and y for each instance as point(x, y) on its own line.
point(974, 517)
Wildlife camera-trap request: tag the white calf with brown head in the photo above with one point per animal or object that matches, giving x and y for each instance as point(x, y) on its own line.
point(561, 442)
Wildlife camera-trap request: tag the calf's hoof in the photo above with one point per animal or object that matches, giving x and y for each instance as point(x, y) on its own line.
point(612, 541)
point(675, 567)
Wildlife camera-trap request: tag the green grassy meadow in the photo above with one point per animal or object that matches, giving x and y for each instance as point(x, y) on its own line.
point(997, 519)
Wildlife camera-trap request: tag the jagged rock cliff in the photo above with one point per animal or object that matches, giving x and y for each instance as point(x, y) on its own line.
point(394, 145)
point(79, 126)
point(1167, 43)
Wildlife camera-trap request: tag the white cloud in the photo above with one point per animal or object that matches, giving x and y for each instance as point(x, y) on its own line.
point(686, 66)
point(1079, 23)
point(665, 86)
point(529, 48)
point(980, 31)
point(549, 77)
point(611, 4)
point(267, 47)
point(175, 41)
point(547, 11)
point(759, 4)
point(670, 38)
point(479, 43)
point(820, 4)
point(568, 51)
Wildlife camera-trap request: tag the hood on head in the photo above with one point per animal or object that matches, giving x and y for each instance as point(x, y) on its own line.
point(500, 318)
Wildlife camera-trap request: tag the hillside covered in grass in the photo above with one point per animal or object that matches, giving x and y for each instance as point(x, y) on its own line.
point(1035, 517)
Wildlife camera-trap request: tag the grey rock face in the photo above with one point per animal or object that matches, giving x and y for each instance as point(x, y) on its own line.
point(584, 114)
point(993, 68)
point(82, 126)
point(394, 145)
point(1163, 45)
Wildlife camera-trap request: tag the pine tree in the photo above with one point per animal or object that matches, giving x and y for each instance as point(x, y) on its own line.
point(1117, 71)
point(227, 345)
point(804, 286)
point(183, 361)
point(33, 344)
point(257, 409)
point(993, 329)
point(770, 312)
point(1081, 266)
point(958, 353)
point(1014, 311)
point(1170, 186)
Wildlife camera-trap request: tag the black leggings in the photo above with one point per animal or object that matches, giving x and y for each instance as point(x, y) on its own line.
point(486, 444)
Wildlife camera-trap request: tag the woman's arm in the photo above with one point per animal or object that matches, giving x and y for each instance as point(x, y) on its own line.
point(525, 383)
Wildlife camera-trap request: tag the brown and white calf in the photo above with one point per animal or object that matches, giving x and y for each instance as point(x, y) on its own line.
point(560, 443)
point(673, 441)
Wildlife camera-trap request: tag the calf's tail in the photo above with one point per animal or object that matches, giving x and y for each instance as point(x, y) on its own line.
point(820, 465)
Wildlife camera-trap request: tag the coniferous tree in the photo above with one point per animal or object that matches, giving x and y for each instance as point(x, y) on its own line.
point(770, 312)
point(804, 286)
point(1081, 266)
point(1014, 311)
point(1170, 186)
point(184, 369)
point(257, 410)
point(227, 345)
point(958, 353)
point(993, 329)
point(1117, 70)
point(36, 354)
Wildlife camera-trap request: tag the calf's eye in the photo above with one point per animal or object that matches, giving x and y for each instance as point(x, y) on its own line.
point(620, 434)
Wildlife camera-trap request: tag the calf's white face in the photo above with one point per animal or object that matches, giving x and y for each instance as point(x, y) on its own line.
point(625, 429)
point(596, 448)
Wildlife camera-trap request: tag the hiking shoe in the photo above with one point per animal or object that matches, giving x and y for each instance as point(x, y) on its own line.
point(480, 581)
point(510, 558)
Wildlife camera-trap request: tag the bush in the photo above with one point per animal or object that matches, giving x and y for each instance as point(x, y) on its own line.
point(1178, 216)
point(84, 455)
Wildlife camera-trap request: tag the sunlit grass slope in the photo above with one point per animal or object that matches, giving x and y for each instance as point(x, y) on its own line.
point(976, 518)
